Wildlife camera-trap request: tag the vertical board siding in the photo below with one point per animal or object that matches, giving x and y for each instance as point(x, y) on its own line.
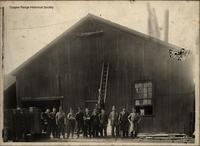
point(72, 68)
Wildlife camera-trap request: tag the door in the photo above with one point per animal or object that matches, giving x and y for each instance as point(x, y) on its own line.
point(43, 105)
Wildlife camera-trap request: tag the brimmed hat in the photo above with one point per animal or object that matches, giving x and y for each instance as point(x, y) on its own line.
point(113, 108)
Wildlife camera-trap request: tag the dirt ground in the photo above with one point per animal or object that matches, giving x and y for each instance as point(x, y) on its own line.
point(111, 140)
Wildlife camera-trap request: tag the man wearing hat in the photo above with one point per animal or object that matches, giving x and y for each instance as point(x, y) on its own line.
point(124, 123)
point(114, 121)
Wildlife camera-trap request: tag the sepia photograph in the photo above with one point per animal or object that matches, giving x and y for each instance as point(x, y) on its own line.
point(100, 72)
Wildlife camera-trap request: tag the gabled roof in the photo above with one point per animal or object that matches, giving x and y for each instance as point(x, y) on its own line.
point(117, 26)
point(9, 80)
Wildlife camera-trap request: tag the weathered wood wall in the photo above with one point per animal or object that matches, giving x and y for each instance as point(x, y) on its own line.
point(71, 67)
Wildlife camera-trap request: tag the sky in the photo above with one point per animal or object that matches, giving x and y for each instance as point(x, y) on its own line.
point(27, 30)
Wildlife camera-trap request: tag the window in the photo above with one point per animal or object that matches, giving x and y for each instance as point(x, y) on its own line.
point(143, 98)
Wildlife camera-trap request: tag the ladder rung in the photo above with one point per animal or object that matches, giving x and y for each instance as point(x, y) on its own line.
point(104, 79)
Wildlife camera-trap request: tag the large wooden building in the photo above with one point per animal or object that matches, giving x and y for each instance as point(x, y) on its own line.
point(141, 74)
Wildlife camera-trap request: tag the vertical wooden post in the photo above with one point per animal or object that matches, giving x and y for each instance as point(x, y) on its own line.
point(17, 94)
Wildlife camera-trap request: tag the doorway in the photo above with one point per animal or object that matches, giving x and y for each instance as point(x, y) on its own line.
point(43, 105)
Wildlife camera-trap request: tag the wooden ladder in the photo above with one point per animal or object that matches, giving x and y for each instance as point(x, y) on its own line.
point(103, 84)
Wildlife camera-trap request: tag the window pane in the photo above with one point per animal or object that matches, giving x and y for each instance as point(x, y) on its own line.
point(137, 102)
point(149, 89)
point(145, 102)
point(140, 85)
point(149, 102)
point(136, 89)
point(140, 90)
point(145, 95)
point(145, 90)
point(149, 95)
point(149, 84)
point(145, 85)
point(140, 95)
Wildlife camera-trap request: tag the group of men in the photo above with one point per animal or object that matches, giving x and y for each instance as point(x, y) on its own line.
point(91, 124)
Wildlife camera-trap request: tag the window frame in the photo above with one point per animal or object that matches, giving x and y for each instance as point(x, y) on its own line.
point(134, 97)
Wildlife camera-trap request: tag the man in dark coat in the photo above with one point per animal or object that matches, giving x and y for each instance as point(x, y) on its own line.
point(103, 119)
point(46, 117)
point(124, 123)
point(87, 123)
point(19, 125)
point(53, 126)
point(70, 123)
point(95, 123)
point(79, 121)
point(114, 122)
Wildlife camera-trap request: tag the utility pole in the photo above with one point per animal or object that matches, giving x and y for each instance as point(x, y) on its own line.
point(153, 27)
point(166, 27)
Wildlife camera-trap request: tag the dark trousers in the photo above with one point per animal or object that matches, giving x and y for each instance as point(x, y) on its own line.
point(61, 129)
point(87, 130)
point(79, 128)
point(70, 128)
point(115, 130)
point(53, 130)
point(46, 126)
point(133, 134)
point(48, 130)
point(95, 130)
point(135, 130)
point(125, 133)
point(124, 128)
point(103, 130)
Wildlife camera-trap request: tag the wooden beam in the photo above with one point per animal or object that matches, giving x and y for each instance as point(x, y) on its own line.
point(85, 34)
